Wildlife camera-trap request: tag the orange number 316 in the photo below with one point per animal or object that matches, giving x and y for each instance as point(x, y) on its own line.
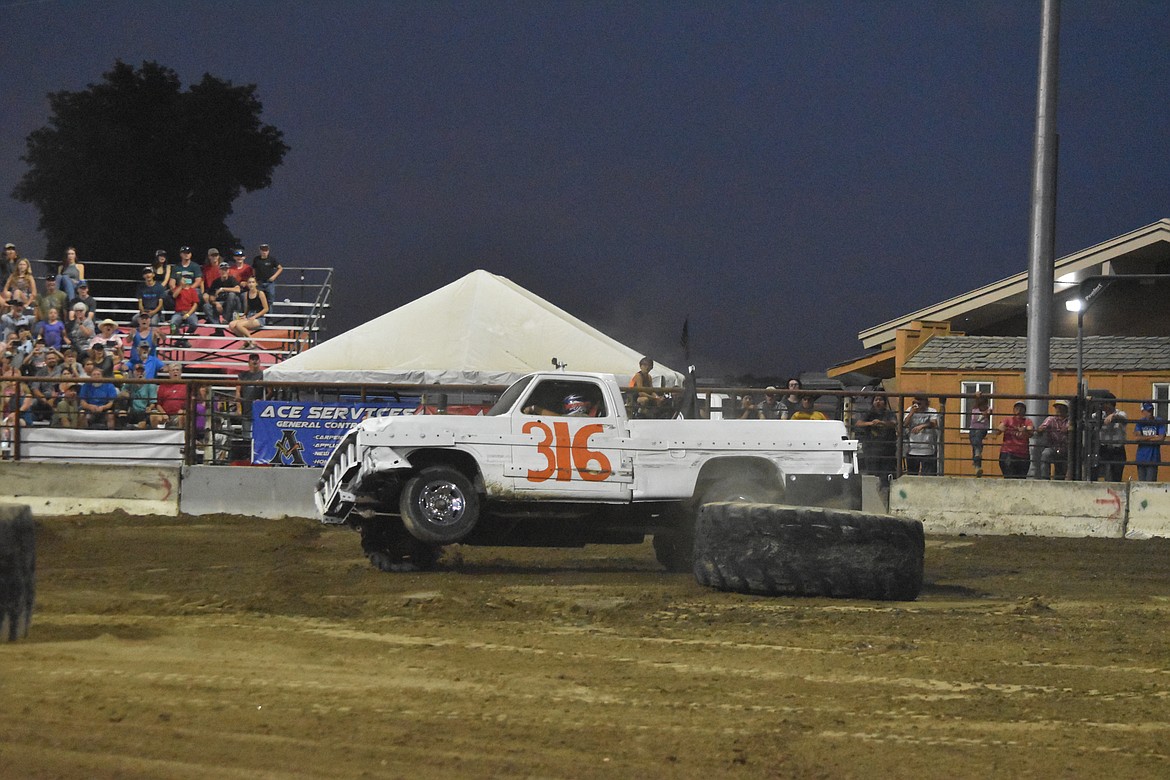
point(564, 452)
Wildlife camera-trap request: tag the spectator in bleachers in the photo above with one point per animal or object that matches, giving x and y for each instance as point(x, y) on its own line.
point(151, 364)
point(267, 269)
point(52, 330)
point(210, 273)
point(255, 306)
point(84, 298)
point(172, 396)
point(161, 268)
point(70, 273)
point(188, 268)
point(151, 295)
point(8, 261)
point(143, 334)
point(67, 410)
point(223, 298)
point(21, 285)
point(110, 336)
point(52, 298)
point(186, 306)
point(69, 364)
point(140, 398)
point(97, 401)
point(81, 327)
point(16, 319)
point(43, 396)
point(102, 358)
point(241, 270)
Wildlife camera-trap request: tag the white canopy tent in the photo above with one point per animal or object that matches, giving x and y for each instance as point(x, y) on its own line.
point(480, 329)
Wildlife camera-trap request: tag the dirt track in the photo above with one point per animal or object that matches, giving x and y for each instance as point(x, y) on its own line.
point(225, 647)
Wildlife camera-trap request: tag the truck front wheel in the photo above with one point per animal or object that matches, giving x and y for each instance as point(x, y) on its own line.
point(439, 505)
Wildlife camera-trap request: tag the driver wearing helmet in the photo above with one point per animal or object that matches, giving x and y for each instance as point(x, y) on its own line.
point(575, 405)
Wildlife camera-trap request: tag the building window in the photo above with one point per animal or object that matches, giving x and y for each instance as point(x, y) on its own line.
point(1161, 396)
point(971, 388)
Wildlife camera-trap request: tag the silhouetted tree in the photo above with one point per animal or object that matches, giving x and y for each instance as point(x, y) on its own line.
point(133, 163)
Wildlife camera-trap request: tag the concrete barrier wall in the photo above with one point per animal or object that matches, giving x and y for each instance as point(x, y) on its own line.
point(951, 505)
point(257, 491)
point(1149, 510)
point(81, 489)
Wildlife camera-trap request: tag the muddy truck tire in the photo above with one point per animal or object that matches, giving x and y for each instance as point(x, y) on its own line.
point(17, 571)
point(774, 550)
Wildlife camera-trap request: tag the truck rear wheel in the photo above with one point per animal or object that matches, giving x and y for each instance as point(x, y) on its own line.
point(774, 550)
point(439, 505)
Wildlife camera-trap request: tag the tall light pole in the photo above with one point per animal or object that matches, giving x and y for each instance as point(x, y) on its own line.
point(1041, 254)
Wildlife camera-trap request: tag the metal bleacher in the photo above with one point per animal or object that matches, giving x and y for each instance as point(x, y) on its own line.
point(295, 322)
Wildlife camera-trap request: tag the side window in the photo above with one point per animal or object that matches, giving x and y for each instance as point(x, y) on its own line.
point(971, 388)
point(566, 398)
point(1161, 397)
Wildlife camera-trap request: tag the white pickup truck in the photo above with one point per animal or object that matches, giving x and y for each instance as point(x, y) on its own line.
point(557, 461)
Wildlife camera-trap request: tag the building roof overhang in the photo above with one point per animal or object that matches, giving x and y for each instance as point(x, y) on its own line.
point(1007, 297)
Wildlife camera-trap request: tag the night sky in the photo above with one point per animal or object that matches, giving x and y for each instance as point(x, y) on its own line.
point(786, 173)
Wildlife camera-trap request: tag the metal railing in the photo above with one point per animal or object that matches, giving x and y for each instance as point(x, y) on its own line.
point(216, 422)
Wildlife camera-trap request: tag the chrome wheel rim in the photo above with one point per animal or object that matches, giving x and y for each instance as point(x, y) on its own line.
point(442, 503)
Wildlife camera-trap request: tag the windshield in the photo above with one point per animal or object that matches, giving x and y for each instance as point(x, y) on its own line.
point(509, 397)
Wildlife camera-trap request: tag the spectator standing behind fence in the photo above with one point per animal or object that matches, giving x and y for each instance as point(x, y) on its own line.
point(172, 396)
point(978, 426)
point(267, 269)
point(69, 274)
point(879, 439)
point(1150, 432)
point(1111, 454)
point(1017, 431)
point(249, 393)
point(791, 402)
point(97, 401)
point(920, 427)
point(1053, 437)
point(67, 410)
point(770, 408)
point(806, 410)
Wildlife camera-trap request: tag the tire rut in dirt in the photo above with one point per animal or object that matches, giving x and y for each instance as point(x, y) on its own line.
point(771, 550)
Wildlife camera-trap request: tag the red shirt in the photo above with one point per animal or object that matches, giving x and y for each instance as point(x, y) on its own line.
point(1015, 436)
point(243, 272)
point(172, 397)
point(210, 274)
point(185, 299)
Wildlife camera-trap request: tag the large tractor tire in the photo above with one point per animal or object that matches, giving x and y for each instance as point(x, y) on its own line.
point(772, 550)
point(18, 563)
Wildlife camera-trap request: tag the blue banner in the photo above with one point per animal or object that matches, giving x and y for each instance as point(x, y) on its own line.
point(286, 433)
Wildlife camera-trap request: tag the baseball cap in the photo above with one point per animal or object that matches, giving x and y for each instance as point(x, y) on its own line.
point(237, 253)
point(83, 283)
point(213, 252)
point(264, 246)
point(98, 345)
point(1147, 406)
point(184, 249)
point(1059, 402)
point(160, 253)
point(146, 268)
point(10, 246)
point(225, 264)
